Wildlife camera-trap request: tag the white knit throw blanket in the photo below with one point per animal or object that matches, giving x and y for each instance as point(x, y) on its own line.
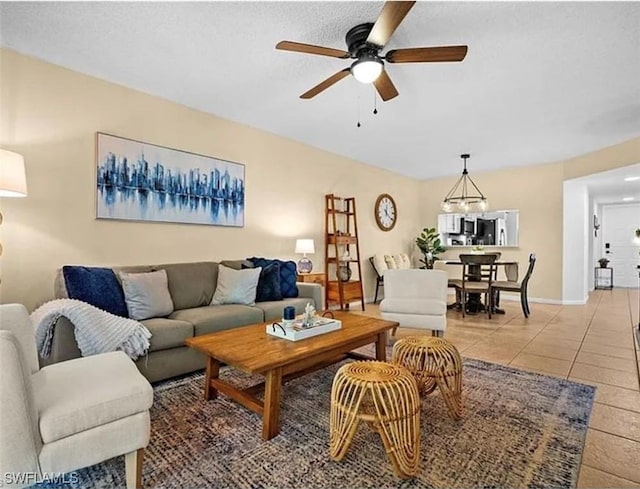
point(96, 331)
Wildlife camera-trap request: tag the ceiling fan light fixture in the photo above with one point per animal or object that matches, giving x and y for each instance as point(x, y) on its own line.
point(367, 69)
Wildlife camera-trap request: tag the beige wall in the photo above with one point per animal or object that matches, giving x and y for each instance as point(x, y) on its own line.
point(51, 114)
point(609, 158)
point(537, 191)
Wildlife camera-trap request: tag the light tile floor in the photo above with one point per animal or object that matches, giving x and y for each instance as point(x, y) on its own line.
point(594, 344)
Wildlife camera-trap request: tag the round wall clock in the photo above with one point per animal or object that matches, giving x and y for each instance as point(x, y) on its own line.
point(386, 212)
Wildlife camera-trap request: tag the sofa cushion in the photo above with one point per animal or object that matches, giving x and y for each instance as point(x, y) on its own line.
point(273, 309)
point(147, 294)
point(237, 264)
point(288, 275)
point(236, 286)
point(414, 306)
point(217, 318)
point(269, 283)
point(167, 333)
point(191, 284)
point(96, 286)
point(84, 393)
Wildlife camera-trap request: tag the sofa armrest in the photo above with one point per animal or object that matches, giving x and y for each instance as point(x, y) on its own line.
point(312, 291)
point(64, 345)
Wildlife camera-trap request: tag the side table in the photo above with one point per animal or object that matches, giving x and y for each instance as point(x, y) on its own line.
point(603, 278)
point(313, 277)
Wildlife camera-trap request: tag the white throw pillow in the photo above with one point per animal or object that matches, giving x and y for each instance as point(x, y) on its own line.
point(380, 264)
point(236, 286)
point(401, 263)
point(147, 294)
point(391, 262)
point(406, 261)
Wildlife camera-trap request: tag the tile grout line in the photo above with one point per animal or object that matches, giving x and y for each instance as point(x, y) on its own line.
point(566, 377)
point(607, 472)
point(584, 336)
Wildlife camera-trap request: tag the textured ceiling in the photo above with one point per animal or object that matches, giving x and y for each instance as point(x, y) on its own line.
point(541, 81)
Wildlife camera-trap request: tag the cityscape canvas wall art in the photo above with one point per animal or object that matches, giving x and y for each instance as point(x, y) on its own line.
point(144, 182)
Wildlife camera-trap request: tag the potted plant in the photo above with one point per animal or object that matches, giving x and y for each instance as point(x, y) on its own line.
point(430, 246)
point(603, 262)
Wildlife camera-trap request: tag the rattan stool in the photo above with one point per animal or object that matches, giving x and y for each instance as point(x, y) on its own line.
point(434, 362)
point(386, 397)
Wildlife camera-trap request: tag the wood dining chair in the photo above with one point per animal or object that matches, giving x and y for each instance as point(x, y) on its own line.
point(478, 275)
point(512, 284)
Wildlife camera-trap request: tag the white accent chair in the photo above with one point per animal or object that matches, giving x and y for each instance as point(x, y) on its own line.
point(69, 415)
point(416, 298)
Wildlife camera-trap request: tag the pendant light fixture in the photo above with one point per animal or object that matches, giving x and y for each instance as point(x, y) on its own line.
point(465, 194)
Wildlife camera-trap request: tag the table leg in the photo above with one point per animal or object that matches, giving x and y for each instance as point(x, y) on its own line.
point(271, 415)
point(213, 370)
point(381, 347)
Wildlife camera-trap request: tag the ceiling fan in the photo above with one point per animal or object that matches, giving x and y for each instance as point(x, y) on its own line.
point(364, 43)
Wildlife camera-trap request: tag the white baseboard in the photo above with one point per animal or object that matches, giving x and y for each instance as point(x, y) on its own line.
point(537, 300)
point(516, 298)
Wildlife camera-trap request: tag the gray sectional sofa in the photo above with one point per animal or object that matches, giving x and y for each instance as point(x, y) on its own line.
point(191, 286)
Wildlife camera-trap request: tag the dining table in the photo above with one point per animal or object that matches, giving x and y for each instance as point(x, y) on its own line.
point(475, 305)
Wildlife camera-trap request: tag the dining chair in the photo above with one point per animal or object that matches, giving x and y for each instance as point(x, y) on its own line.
point(478, 275)
point(510, 285)
point(379, 277)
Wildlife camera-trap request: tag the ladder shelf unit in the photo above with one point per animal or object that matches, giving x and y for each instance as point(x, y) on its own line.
point(343, 283)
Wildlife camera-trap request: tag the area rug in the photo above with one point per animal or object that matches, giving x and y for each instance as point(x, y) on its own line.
point(519, 429)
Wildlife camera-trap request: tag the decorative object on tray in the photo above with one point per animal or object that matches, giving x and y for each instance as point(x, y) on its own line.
point(304, 246)
point(139, 181)
point(288, 316)
point(603, 262)
point(307, 325)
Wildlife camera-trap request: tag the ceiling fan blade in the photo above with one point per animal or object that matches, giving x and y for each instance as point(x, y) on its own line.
point(311, 49)
point(388, 21)
point(322, 86)
point(385, 86)
point(427, 55)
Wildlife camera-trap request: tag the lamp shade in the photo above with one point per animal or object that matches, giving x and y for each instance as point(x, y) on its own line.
point(13, 181)
point(305, 246)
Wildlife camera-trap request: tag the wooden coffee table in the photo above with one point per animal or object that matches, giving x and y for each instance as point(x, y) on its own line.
point(252, 350)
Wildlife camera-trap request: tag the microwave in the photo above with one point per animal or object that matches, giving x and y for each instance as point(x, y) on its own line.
point(469, 227)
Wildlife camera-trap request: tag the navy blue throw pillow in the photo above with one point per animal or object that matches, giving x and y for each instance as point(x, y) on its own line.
point(268, 283)
point(288, 275)
point(96, 286)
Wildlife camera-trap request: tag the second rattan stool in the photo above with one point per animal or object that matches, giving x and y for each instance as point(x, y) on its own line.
point(434, 362)
point(386, 397)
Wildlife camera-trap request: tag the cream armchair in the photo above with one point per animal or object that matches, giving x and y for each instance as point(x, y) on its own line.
point(416, 299)
point(68, 415)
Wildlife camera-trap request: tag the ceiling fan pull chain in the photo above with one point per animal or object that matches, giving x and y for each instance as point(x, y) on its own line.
point(358, 124)
point(375, 102)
